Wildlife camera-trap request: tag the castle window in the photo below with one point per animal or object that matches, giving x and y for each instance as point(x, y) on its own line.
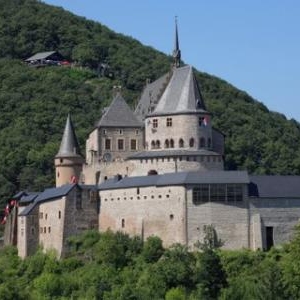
point(120, 131)
point(59, 214)
point(57, 174)
point(202, 142)
point(41, 229)
point(45, 229)
point(169, 122)
point(107, 144)
point(192, 142)
point(209, 142)
point(217, 192)
point(171, 143)
point(133, 144)
point(153, 145)
point(123, 223)
point(61, 160)
point(32, 231)
point(120, 144)
point(157, 144)
point(78, 199)
point(234, 192)
point(46, 216)
point(41, 215)
point(171, 217)
point(93, 196)
point(181, 143)
point(49, 229)
point(138, 190)
point(137, 132)
point(155, 123)
point(201, 194)
point(167, 144)
point(104, 131)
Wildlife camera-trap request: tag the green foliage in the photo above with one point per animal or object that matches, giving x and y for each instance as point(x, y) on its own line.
point(177, 274)
point(35, 102)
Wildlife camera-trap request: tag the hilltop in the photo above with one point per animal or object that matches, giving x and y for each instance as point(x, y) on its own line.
point(35, 102)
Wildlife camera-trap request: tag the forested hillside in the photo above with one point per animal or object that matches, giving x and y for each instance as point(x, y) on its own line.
point(35, 101)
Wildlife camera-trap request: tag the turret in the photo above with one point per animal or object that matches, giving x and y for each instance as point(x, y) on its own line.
point(68, 160)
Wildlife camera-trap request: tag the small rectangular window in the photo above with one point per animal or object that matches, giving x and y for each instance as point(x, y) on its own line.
point(120, 144)
point(169, 122)
point(107, 144)
point(133, 144)
point(155, 123)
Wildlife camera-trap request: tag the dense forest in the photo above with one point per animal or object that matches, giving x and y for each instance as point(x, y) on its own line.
point(113, 266)
point(35, 101)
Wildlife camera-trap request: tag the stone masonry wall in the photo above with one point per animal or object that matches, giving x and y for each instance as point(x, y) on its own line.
point(230, 220)
point(145, 211)
point(281, 214)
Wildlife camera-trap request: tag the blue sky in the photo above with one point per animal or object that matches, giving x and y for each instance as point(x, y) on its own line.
point(254, 45)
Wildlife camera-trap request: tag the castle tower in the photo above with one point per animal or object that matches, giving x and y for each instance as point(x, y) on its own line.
point(68, 160)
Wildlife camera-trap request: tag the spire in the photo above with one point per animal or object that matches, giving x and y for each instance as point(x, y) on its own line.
point(176, 51)
point(69, 146)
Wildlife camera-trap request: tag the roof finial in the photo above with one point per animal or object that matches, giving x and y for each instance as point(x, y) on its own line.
point(176, 51)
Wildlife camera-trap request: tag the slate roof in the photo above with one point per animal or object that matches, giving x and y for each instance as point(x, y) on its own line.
point(180, 178)
point(150, 96)
point(182, 94)
point(119, 114)
point(171, 153)
point(274, 186)
point(28, 198)
point(47, 195)
point(69, 146)
point(40, 55)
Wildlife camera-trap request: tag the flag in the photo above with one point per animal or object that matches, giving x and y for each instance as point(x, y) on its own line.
point(6, 210)
point(73, 179)
point(3, 221)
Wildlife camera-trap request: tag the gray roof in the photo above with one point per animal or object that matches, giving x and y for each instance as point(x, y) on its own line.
point(119, 114)
point(40, 55)
point(274, 186)
point(180, 178)
point(47, 195)
point(69, 146)
point(182, 94)
point(171, 153)
point(28, 198)
point(150, 96)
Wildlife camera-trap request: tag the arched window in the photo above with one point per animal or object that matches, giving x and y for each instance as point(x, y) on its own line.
point(153, 145)
point(167, 144)
point(209, 142)
point(171, 143)
point(157, 144)
point(192, 142)
point(181, 143)
point(202, 142)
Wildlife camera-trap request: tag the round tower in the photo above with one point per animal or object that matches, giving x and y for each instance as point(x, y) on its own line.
point(68, 161)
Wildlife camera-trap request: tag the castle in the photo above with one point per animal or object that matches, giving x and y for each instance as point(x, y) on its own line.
point(155, 171)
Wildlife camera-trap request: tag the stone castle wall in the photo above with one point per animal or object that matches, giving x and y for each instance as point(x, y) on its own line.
point(230, 220)
point(145, 211)
point(183, 127)
point(281, 214)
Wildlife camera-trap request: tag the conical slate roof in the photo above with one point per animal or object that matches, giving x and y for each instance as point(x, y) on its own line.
point(69, 146)
point(119, 114)
point(182, 94)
